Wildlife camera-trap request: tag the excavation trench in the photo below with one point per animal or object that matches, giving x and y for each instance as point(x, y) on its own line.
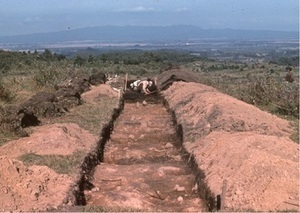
point(140, 163)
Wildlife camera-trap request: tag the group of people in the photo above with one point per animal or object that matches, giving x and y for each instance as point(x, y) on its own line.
point(144, 86)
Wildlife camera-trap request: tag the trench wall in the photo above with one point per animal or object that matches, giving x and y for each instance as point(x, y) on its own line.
point(204, 192)
point(76, 195)
point(92, 159)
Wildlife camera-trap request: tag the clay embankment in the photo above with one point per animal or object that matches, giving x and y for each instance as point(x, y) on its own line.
point(234, 141)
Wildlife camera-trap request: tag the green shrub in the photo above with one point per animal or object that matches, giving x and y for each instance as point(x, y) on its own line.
point(46, 77)
point(49, 75)
point(6, 95)
point(269, 90)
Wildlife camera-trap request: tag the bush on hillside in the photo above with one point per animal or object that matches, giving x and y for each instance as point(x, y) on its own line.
point(269, 90)
point(6, 95)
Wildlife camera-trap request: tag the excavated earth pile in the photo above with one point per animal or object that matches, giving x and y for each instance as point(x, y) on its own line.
point(240, 148)
point(142, 169)
point(40, 188)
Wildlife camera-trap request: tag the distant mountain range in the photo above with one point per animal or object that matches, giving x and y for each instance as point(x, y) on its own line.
point(146, 33)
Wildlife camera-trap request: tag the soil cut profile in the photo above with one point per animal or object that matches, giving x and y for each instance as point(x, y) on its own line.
point(142, 169)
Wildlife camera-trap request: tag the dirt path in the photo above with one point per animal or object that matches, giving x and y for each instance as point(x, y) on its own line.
point(142, 168)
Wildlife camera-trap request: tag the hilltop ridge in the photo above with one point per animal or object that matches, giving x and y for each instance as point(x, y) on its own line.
point(146, 33)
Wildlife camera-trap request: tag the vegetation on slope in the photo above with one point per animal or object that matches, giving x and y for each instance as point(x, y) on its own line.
point(22, 74)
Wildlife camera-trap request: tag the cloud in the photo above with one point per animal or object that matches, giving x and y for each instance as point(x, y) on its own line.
point(182, 9)
point(138, 9)
point(32, 19)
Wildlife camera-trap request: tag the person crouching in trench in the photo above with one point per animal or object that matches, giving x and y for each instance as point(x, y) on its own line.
point(145, 85)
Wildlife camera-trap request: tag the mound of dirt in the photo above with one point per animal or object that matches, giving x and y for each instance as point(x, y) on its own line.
point(38, 188)
point(234, 141)
point(53, 139)
point(166, 79)
point(98, 78)
point(216, 111)
point(34, 188)
point(99, 91)
point(261, 171)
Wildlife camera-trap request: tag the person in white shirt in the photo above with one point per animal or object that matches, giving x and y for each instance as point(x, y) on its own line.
point(134, 85)
point(144, 85)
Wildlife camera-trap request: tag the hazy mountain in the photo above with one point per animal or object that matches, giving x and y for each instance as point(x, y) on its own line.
point(140, 33)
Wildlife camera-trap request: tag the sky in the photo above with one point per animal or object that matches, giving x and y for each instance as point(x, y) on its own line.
point(36, 16)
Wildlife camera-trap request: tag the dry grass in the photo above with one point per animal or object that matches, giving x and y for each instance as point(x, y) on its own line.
point(7, 136)
point(60, 164)
point(90, 116)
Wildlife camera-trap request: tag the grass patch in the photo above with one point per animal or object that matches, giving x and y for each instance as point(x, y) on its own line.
point(59, 163)
point(7, 136)
point(6, 133)
point(90, 116)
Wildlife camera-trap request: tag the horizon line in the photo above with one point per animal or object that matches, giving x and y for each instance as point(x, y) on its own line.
point(177, 25)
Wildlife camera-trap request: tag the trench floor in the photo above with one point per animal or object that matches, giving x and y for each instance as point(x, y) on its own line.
point(142, 168)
